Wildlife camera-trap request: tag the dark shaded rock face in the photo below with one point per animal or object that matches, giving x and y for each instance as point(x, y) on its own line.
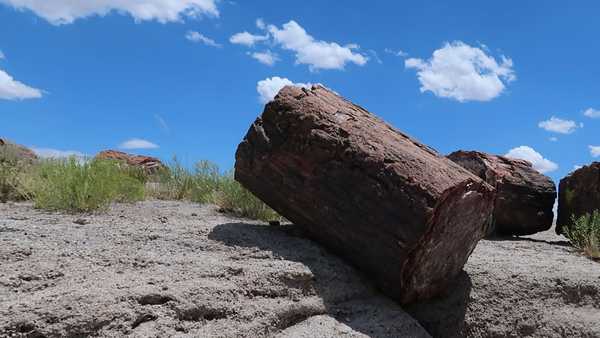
point(149, 164)
point(524, 199)
point(406, 216)
point(13, 152)
point(579, 194)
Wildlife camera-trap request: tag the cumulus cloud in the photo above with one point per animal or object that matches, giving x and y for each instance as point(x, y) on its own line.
point(247, 39)
point(201, 38)
point(136, 143)
point(11, 89)
point(314, 53)
point(595, 151)
point(59, 12)
point(398, 52)
point(560, 126)
point(56, 153)
point(538, 161)
point(268, 88)
point(267, 57)
point(463, 73)
point(592, 113)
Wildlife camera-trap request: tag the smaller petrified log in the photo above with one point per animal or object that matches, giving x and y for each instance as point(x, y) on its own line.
point(524, 199)
point(579, 194)
point(149, 164)
point(394, 207)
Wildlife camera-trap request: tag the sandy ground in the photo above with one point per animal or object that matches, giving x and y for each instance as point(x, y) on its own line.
point(171, 269)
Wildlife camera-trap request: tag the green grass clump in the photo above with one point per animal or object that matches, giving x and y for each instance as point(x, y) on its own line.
point(70, 185)
point(13, 176)
point(584, 234)
point(207, 184)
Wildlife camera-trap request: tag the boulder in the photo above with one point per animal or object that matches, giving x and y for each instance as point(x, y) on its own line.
point(405, 215)
point(10, 151)
point(150, 165)
point(579, 194)
point(524, 199)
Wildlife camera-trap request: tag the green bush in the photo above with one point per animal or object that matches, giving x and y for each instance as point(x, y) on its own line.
point(207, 184)
point(584, 234)
point(71, 185)
point(13, 176)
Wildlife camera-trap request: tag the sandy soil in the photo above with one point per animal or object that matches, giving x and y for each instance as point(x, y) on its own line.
point(163, 269)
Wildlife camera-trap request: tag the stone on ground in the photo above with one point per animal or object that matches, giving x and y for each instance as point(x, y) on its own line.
point(579, 194)
point(524, 197)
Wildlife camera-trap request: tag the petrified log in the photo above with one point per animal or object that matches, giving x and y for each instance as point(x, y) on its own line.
point(149, 165)
point(578, 194)
point(394, 207)
point(524, 197)
point(10, 151)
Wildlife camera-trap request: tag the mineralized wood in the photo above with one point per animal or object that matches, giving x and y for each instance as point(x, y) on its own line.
point(399, 211)
point(579, 194)
point(524, 198)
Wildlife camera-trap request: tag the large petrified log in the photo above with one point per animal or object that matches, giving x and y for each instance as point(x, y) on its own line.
point(578, 194)
point(394, 207)
point(524, 197)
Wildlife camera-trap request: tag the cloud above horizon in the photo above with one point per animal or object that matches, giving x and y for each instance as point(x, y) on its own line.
point(247, 39)
point(557, 125)
point(316, 54)
point(60, 12)
point(266, 58)
point(268, 88)
point(56, 153)
point(594, 151)
point(198, 37)
point(11, 89)
point(463, 73)
point(592, 113)
point(137, 143)
point(541, 164)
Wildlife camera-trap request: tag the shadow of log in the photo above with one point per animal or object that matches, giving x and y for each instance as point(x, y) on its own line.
point(445, 315)
point(348, 296)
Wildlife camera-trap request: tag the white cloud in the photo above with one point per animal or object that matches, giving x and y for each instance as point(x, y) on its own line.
point(315, 53)
point(592, 113)
point(201, 38)
point(2, 55)
point(59, 12)
point(56, 153)
point(577, 167)
point(267, 57)
point(247, 39)
point(269, 87)
point(560, 126)
point(136, 143)
point(11, 89)
point(595, 151)
point(464, 73)
point(260, 23)
point(539, 163)
point(398, 52)
point(553, 139)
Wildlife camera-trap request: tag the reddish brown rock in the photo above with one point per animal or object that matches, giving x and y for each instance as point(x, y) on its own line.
point(406, 216)
point(524, 199)
point(149, 164)
point(10, 150)
point(579, 194)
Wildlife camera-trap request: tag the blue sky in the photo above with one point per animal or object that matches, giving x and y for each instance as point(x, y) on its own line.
point(168, 77)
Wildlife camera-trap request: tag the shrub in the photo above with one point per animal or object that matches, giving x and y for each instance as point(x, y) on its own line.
point(70, 185)
point(584, 233)
point(13, 176)
point(234, 198)
point(207, 184)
